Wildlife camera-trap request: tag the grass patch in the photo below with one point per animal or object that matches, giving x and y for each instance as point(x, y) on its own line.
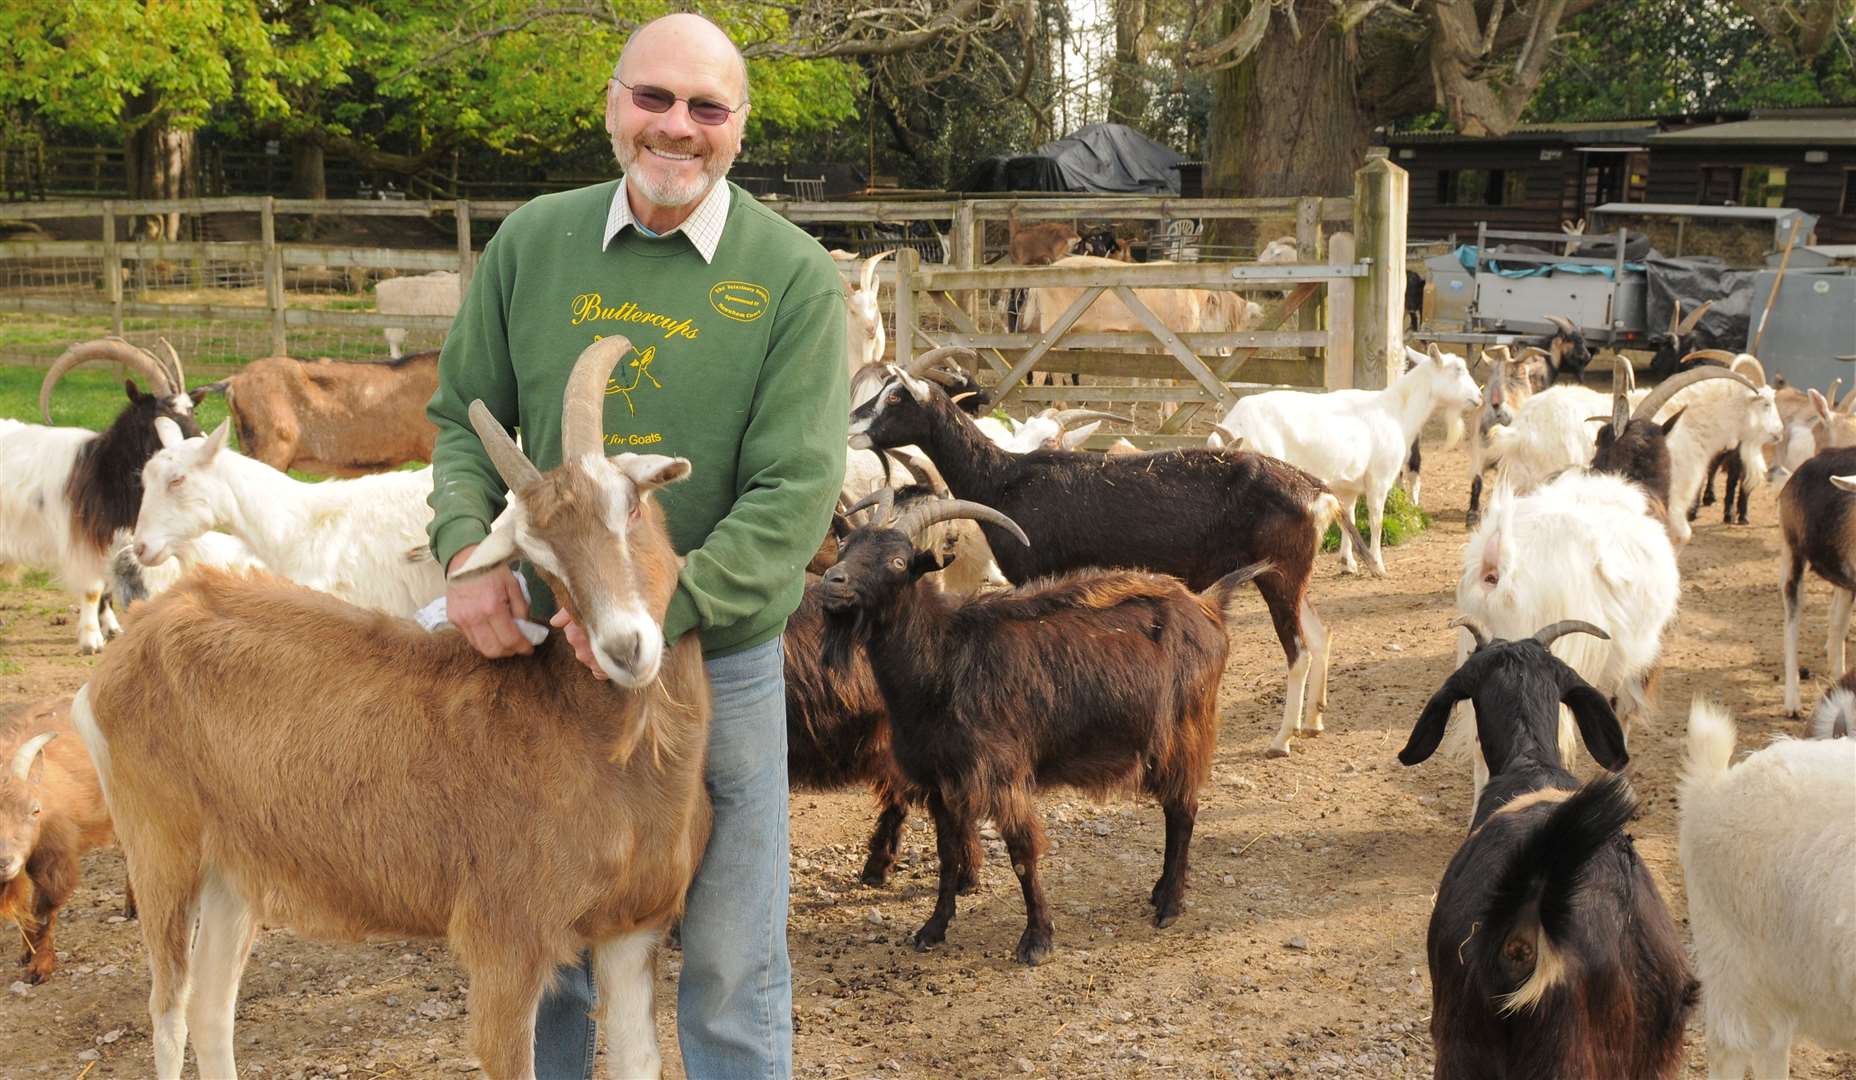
point(88, 396)
point(11, 667)
point(13, 576)
point(1404, 520)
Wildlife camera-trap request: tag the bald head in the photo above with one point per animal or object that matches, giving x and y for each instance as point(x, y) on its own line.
point(686, 35)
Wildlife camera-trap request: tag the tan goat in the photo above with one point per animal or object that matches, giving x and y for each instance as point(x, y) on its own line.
point(51, 813)
point(333, 417)
point(1182, 310)
point(274, 756)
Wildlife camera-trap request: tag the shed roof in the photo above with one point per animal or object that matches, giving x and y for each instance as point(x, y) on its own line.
point(1769, 130)
point(1591, 131)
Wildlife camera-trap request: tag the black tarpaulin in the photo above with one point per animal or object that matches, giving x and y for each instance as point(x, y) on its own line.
point(1114, 158)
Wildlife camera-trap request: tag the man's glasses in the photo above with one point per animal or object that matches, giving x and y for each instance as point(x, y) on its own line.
point(656, 99)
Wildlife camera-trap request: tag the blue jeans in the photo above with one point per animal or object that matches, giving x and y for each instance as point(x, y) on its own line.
point(735, 995)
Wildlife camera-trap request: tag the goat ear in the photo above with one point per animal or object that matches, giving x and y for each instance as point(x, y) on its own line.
point(1428, 732)
point(651, 471)
point(134, 393)
point(925, 562)
point(496, 549)
point(168, 432)
point(216, 441)
point(1669, 425)
point(1598, 725)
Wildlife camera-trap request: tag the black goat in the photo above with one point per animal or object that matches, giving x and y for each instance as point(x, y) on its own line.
point(1567, 352)
point(1414, 301)
point(1098, 680)
point(68, 493)
point(1195, 514)
point(1551, 953)
point(1675, 348)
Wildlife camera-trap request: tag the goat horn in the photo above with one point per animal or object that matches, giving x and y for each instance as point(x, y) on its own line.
point(1565, 325)
point(909, 467)
point(517, 471)
point(108, 348)
point(1720, 356)
point(1849, 403)
point(1475, 628)
point(1232, 440)
point(1836, 385)
point(1747, 364)
point(583, 406)
point(1547, 635)
point(1624, 380)
point(1648, 407)
point(22, 759)
point(958, 355)
point(921, 515)
point(1066, 417)
point(1687, 326)
point(867, 278)
point(172, 363)
point(883, 498)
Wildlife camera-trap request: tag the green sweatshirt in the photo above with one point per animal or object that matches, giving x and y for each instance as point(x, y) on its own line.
point(739, 367)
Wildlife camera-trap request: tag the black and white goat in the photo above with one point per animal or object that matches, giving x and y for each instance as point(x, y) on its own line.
point(1551, 952)
point(68, 494)
point(1567, 352)
point(1098, 680)
point(1195, 514)
point(1674, 348)
point(1817, 518)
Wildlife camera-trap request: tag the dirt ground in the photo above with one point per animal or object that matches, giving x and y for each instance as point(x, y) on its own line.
point(1301, 951)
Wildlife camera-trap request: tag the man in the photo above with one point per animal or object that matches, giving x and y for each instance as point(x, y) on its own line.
point(738, 323)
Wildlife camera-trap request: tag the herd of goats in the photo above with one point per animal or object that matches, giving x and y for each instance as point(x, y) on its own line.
point(995, 612)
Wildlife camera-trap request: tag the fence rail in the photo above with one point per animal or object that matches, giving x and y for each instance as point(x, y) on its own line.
point(1321, 324)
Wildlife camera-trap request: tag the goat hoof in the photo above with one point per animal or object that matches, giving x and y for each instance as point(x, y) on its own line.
point(1033, 948)
point(1276, 751)
point(39, 974)
point(967, 886)
point(1167, 915)
point(928, 937)
point(1472, 519)
point(874, 876)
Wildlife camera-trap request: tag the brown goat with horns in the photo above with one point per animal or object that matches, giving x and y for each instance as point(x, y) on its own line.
point(275, 756)
point(1096, 680)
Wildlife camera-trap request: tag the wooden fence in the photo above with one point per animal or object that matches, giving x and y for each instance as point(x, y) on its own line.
point(1340, 322)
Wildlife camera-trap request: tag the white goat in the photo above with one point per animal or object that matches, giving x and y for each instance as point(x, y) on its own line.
point(363, 540)
point(866, 334)
point(1048, 430)
point(1357, 442)
point(1768, 857)
point(1585, 546)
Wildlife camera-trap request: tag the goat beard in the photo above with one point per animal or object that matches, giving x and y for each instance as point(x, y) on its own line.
point(844, 632)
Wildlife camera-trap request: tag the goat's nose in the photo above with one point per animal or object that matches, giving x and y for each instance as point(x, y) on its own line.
point(623, 647)
point(835, 575)
point(9, 869)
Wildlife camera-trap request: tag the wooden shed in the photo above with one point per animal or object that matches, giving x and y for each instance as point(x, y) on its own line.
point(1530, 179)
point(1804, 159)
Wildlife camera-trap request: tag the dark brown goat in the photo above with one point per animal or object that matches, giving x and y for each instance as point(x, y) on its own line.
point(51, 812)
point(1551, 954)
point(1097, 680)
point(1195, 514)
point(1817, 517)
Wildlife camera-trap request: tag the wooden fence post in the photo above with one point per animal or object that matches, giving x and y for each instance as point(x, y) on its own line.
point(1381, 191)
point(112, 267)
point(1337, 368)
point(906, 259)
point(467, 262)
point(966, 249)
point(273, 273)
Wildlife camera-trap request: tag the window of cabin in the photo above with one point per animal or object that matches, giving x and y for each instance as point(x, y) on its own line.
point(1720, 186)
point(1762, 185)
point(1477, 187)
point(1514, 188)
point(1848, 206)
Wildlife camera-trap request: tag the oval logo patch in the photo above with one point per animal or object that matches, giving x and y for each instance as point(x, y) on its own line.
point(738, 300)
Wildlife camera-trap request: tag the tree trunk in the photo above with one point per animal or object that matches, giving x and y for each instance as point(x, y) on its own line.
point(308, 178)
point(1288, 119)
point(159, 163)
point(1127, 93)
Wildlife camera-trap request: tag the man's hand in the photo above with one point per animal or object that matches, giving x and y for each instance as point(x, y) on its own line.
point(485, 608)
point(576, 636)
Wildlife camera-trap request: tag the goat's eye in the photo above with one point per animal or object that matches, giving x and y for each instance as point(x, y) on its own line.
point(898, 563)
point(37, 809)
point(636, 513)
point(175, 482)
point(894, 397)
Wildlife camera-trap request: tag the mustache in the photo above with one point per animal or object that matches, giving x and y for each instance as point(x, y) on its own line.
point(671, 146)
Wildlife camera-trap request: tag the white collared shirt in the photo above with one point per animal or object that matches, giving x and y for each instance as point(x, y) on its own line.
point(703, 226)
